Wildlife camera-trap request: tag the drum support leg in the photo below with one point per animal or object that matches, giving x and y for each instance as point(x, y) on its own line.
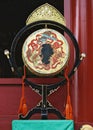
point(43, 108)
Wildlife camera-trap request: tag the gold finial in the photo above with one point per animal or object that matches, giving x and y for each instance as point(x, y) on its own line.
point(86, 127)
point(46, 12)
point(82, 56)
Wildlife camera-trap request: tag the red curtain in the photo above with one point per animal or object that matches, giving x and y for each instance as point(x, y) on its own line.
point(79, 19)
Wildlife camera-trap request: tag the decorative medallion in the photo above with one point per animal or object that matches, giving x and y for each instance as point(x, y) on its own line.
point(45, 52)
point(46, 12)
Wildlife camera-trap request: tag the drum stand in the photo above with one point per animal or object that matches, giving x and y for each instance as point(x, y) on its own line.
point(44, 108)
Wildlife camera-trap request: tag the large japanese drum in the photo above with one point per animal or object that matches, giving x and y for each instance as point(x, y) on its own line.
point(45, 52)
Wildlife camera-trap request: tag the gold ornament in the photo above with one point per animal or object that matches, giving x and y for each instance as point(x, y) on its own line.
point(86, 127)
point(46, 12)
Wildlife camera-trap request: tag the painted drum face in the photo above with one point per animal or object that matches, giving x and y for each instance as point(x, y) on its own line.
point(45, 52)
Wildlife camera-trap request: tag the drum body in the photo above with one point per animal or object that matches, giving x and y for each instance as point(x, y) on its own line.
point(45, 52)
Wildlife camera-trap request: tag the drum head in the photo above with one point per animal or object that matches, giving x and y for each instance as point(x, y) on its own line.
point(45, 52)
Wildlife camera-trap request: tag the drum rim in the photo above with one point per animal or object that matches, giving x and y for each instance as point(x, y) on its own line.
point(58, 25)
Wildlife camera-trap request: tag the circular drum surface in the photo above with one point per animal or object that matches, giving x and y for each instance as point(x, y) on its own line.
point(45, 52)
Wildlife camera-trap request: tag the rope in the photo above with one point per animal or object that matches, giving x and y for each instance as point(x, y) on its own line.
point(68, 109)
point(23, 106)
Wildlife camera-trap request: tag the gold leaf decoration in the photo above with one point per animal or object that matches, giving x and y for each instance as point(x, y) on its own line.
point(46, 12)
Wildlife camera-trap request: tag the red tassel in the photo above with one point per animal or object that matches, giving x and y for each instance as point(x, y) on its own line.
point(20, 106)
point(68, 109)
point(23, 107)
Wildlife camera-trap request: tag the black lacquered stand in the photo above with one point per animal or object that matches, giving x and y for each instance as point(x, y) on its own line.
point(43, 108)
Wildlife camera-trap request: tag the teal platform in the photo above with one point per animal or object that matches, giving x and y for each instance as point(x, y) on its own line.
point(42, 125)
